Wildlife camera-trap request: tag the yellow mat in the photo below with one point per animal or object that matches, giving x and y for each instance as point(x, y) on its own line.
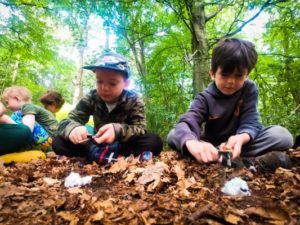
point(23, 156)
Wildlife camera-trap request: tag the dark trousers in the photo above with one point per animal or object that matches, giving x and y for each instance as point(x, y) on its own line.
point(14, 137)
point(136, 145)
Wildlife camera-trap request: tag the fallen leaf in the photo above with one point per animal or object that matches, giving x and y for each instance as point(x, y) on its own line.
point(152, 172)
point(118, 166)
point(75, 190)
point(276, 214)
point(97, 216)
point(234, 219)
point(50, 181)
point(69, 217)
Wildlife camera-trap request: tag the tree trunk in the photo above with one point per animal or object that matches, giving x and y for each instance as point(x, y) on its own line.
point(15, 69)
point(199, 48)
point(78, 83)
point(78, 92)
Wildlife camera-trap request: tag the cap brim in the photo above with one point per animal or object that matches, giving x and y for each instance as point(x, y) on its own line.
point(93, 68)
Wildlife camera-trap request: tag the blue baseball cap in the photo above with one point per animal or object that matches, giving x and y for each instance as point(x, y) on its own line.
point(112, 61)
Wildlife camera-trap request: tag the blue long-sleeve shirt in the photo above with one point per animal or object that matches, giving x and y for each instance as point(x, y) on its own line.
point(220, 115)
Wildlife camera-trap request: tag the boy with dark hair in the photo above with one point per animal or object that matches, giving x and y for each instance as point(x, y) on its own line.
point(118, 114)
point(52, 101)
point(228, 111)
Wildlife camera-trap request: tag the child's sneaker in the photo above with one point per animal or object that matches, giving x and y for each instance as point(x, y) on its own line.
point(269, 162)
point(103, 154)
point(145, 156)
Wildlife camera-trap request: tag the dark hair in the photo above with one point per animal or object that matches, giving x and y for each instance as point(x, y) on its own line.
point(233, 54)
point(52, 97)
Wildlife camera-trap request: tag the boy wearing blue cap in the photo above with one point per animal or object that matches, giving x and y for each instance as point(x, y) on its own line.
point(118, 114)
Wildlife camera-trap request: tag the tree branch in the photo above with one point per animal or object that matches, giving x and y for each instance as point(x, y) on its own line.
point(282, 55)
point(265, 5)
point(212, 15)
point(25, 4)
point(180, 15)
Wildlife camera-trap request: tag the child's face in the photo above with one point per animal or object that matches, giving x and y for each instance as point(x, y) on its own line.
point(230, 83)
point(52, 108)
point(14, 103)
point(110, 85)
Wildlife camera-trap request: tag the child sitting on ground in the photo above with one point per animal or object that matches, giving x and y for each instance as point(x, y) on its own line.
point(40, 121)
point(228, 111)
point(118, 114)
point(52, 101)
point(12, 136)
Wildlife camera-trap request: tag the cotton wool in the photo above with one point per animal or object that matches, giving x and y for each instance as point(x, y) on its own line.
point(75, 180)
point(236, 186)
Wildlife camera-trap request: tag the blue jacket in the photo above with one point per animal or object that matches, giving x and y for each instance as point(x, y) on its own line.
point(220, 115)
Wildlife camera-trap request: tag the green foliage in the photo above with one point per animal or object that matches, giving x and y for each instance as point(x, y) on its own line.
point(156, 37)
point(278, 70)
point(29, 50)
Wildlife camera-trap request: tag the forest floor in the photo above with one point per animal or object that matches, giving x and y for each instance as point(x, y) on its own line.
point(167, 190)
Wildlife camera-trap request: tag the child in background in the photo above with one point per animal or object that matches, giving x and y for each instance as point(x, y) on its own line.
point(40, 121)
point(228, 111)
point(52, 101)
point(118, 114)
point(13, 137)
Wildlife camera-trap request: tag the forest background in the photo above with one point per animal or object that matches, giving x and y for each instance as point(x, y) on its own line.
point(44, 44)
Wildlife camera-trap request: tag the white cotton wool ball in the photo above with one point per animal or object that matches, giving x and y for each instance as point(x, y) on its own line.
point(236, 186)
point(73, 180)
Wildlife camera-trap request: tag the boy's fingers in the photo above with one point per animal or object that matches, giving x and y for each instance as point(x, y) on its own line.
point(204, 157)
point(209, 156)
point(99, 133)
point(222, 146)
point(236, 152)
point(220, 159)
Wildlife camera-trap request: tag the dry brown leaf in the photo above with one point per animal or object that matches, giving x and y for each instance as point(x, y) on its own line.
point(156, 185)
point(139, 206)
point(153, 172)
point(129, 177)
point(107, 206)
point(270, 186)
point(119, 166)
point(297, 177)
point(50, 182)
point(179, 171)
point(285, 172)
point(276, 214)
point(75, 190)
point(97, 216)
point(234, 219)
point(73, 219)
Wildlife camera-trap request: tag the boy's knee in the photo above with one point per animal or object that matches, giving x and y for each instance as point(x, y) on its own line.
point(170, 139)
point(157, 144)
point(281, 136)
point(56, 144)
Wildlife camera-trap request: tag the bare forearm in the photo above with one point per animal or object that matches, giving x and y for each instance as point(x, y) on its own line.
point(6, 119)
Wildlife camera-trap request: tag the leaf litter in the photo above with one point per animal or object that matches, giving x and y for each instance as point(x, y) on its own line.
point(166, 190)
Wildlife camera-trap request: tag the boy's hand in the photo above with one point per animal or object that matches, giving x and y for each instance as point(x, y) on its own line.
point(106, 134)
point(202, 151)
point(235, 143)
point(78, 134)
